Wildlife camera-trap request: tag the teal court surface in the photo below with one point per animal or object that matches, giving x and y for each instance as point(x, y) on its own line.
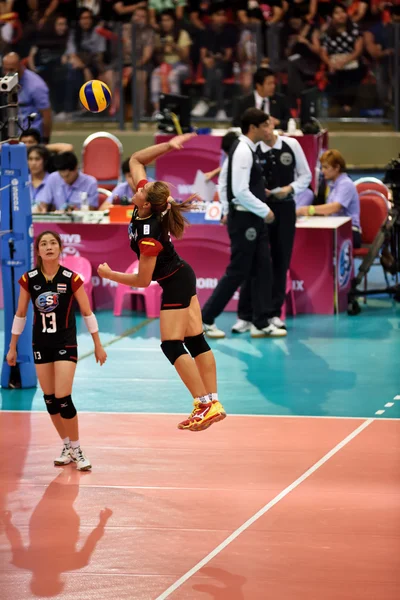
point(295, 496)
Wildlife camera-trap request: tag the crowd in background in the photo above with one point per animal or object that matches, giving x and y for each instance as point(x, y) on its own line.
point(191, 46)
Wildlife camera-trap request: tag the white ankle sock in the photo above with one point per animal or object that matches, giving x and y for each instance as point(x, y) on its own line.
point(203, 399)
point(75, 444)
point(66, 441)
point(213, 397)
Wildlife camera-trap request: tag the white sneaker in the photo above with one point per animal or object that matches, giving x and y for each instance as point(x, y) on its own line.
point(212, 331)
point(65, 456)
point(200, 109)
point(270, 331)
point(277, 322)
point(80, 459)
point(241, 326)
point(221, 115)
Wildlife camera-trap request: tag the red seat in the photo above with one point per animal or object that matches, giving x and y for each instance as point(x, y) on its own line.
point(101, 157)
point(373, 212)
point(371, 184)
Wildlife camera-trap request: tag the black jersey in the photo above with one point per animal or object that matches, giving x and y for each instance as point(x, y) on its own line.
point(54, 322)
point(146, 239)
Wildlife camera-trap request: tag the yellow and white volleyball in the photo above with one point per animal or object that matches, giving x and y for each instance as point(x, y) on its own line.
point(95, 96)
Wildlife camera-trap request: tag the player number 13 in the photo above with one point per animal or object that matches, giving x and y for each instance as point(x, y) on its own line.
point(49, 326)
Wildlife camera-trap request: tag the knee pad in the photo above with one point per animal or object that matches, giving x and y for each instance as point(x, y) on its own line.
point(197, 344)
point(173, 349)
point(67, 408)
point(52, 404)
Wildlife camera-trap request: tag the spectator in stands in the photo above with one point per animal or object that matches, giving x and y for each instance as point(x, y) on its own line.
point(343, 199)
point(379, 46)
point(216, 52)
point(303, 53)
point(45, 58)
point(265, 98)
point(33, 96)
point(124, 9)
point(269, 16)
point(38, 159)
point(305, 10)
point(157, 7)
point(84, 56)
point(68, 188)
point(145, 39)
point(342, 46)
point(172, 47)
point(44, 8)
point(124, 192)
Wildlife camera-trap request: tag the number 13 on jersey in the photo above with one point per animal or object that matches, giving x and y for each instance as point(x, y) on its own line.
point(49, 325)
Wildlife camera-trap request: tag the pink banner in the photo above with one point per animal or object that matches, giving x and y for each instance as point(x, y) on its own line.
point(204, 153)
point(207, 249)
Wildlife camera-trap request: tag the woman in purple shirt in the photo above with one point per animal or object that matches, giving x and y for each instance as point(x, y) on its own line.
point(38, 160)
point(342, 198)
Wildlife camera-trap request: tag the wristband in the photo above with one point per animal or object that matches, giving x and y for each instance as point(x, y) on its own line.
point(311, 210)
point(91, 323)
point(18, 325)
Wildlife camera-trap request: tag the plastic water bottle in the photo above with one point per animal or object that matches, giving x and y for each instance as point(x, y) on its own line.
point(85, 203)
point(292, 127)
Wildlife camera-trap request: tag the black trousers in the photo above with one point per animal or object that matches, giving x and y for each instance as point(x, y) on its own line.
point(281, 235)
point(251, 261)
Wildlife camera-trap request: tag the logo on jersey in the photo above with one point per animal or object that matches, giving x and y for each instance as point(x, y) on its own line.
point(61, 288)
point(33, 273)
point(37, 287)
point(146, 229)
point(62, 352)
point(286, 158)
point(67, 274)
point(47, 301)
point(345, 263)
point(132, 235)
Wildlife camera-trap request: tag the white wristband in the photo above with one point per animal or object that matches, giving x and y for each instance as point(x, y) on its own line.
point(91, 323)
point(18, 325)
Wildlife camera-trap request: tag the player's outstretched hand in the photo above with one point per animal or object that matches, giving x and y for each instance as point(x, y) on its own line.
point(100, 354)
point(11, 358)
point(104, 270)
point(177, 142)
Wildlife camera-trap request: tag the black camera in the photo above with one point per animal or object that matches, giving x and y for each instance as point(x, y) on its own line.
point(392, 179)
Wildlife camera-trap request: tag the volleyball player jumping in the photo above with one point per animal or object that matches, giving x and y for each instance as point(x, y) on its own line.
point(155, 217)
point(52, 288)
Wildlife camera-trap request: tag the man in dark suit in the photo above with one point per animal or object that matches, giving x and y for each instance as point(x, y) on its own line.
point(264, 98)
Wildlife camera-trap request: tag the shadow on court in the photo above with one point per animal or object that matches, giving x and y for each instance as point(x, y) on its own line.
point(54, 534)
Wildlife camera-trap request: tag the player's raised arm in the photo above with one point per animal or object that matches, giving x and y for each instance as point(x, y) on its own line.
point(141, 158)
point(141, 279)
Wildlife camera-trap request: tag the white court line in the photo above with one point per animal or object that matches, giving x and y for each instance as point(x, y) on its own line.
point(389, 404)
point(379, 412)
point(263, 510)
point(179, 414)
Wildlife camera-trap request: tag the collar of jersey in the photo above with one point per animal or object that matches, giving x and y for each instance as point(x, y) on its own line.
point(54, 276)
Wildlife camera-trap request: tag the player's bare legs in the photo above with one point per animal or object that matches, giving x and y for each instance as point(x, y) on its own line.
point(45, 375)
point(173, 324)
point(205, 362)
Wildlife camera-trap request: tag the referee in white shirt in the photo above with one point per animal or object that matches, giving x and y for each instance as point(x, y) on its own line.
point(286, 173)
point(242, 193)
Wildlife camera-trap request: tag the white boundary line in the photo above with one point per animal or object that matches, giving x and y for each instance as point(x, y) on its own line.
point(179, 414)
point(263, 510)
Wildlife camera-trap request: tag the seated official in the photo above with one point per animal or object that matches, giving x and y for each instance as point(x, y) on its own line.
point(38, 159)
point(123, 193)
point(68, 188)
point(31, 137)
point(343, 199)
